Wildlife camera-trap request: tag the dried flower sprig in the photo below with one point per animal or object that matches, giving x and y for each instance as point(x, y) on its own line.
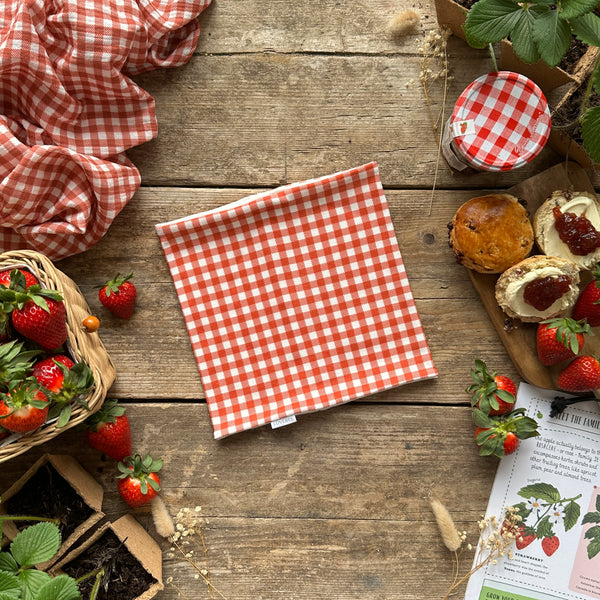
point(496, 540)
point(435, 69)
point(404, 23)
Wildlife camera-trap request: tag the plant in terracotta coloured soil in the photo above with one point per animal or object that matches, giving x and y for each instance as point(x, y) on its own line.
point(544, 30)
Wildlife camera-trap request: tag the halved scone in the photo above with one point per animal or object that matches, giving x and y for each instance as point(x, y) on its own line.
point(567, 225)
point(538, 288)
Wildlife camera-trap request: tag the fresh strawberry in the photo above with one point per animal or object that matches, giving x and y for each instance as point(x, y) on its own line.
point(492, 393)
point(138, 479)
point(500, 435)
point(550, 545)
point(524, 537)
point(580, 375)
point(24, 407)
point(109, 431)
point(66, 383)
point(18, 278)
point(560, 339)
point(118, 295)
point(588, 304)
point(15, 363)
point(40, 315)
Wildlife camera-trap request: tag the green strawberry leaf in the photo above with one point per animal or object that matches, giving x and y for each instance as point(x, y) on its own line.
point(592, 532)
point(587, 28)
point(524, 512)
point(598, 503)
point(32, 581)
point(490, 21)
point(552, 36)
point(525, 427)
point(544, 528)
point(572, 512)
point(36, 544)
point(540, 491)
point(522, 37)
point(9, 586)
point(61, 587)
point(593, 548)
point(590, 132)
point(591, 517)
point(482, 420)
point(576, 8)
point(8, 563)
point(64, 416)
point(153, 484)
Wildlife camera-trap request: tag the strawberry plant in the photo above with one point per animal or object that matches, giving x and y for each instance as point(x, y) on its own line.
point(543, 30)
point(593, 533)
point(542, 512)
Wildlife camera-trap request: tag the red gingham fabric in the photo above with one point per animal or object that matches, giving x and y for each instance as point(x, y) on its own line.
point(69, 110)
point(501, 121)
point(296, 299)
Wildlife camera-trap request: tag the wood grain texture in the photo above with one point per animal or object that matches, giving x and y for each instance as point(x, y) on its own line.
point(334, 506)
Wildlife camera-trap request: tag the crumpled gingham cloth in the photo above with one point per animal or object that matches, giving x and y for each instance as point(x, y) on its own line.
point(69, 110)
point(296, 299)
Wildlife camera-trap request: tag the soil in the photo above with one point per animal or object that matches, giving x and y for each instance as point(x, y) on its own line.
point(567, 117)
point(124, 578)
point(49, 494)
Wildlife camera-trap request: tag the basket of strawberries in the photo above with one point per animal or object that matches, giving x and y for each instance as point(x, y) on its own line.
point(54, 371)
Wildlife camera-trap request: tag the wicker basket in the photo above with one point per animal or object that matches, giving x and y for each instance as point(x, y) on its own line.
point(82, 345)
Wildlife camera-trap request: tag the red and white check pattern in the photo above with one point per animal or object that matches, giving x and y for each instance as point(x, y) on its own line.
point(511, 121)
point(69, 110)
point(296, 299)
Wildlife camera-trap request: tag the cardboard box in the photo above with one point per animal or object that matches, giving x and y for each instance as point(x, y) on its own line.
point(138, 543)
point(71, 474)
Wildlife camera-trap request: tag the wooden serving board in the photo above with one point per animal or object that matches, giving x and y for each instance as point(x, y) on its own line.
point(520, 338)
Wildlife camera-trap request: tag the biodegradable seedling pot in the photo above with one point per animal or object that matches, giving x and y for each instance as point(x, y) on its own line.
point(131, 558)
point(452, 15)
point(548, 78)
point(55, 486)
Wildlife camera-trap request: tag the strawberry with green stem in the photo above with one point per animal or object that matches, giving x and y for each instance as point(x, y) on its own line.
point(24, 407)
point(118, 295)
point(66, 383)
point(491, 393)
point(109, 431)
point(138, 481)
point(560, 339)
point(13, 280)
point(588, 303)
point(500, 435)
point(38, 314)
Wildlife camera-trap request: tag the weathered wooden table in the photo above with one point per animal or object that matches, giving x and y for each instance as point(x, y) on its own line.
point(336, 505)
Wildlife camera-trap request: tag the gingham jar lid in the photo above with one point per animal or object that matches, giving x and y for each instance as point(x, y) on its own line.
point(500, 122)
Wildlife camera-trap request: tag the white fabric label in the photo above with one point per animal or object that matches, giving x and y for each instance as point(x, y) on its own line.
point(282, 422)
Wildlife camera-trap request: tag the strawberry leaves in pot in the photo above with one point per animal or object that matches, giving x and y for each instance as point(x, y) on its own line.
point(500, 435)
point(560, 339)
point(491, 393)
point(138, 479)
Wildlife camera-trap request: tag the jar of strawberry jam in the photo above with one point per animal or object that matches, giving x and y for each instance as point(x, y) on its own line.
point(500, 122)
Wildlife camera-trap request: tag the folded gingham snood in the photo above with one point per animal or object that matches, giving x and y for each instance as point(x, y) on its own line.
point(69, 111)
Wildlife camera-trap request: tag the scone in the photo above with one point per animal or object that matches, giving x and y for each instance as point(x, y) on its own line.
point(491, 233)
point(537, 288)
point(567, 224)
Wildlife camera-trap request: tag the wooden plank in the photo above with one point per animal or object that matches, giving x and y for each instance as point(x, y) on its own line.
point(283, 518)
point(271, 118)
point(152, 351)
